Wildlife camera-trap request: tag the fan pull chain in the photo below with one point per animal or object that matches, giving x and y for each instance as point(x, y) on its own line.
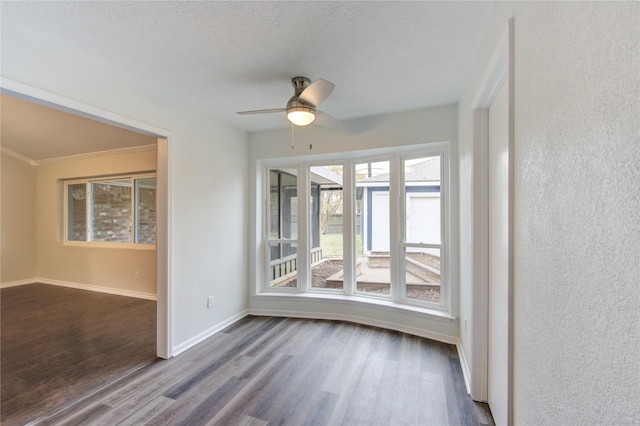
point(292, 139)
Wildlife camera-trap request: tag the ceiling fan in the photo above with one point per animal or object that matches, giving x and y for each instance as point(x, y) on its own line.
point(302, 109)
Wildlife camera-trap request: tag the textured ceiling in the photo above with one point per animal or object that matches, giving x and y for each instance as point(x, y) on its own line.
point(384, 57)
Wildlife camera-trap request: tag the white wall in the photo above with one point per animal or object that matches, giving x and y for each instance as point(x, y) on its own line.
point(208, 174)
point(427, 125)
point(18, 229)
point(378, 134)
point(89, 267)
point(577, 198)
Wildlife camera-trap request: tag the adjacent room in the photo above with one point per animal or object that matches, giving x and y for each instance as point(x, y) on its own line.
point(78, 264)
point(320, 212)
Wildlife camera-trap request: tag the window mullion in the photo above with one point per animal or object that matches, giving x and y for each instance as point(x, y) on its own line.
point(133, 233)
point(266, 226)
point(395, 228)
point(89, 200)
point(348, 227)
point(445, 287)
point(304, 230)
point(280, 201)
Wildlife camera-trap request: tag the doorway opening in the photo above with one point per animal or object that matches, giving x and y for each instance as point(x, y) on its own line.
point(160, 314)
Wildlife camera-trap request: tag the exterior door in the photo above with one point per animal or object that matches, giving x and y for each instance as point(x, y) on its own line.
point(380, 221)
point(423, 222)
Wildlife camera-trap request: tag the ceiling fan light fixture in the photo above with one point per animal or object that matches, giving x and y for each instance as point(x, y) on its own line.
point(301, 107)
point(301, 115)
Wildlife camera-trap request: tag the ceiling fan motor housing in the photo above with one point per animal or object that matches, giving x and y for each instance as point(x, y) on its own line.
point(299, 84)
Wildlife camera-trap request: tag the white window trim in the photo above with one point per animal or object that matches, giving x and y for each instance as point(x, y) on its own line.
point(395, 157)
point(101, 244)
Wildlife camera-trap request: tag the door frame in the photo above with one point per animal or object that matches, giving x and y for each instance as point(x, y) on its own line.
point(499, 71)
point(163, 190)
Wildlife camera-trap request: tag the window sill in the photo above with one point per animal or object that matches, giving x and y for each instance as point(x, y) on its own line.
point(358, 300)
point(120, 246)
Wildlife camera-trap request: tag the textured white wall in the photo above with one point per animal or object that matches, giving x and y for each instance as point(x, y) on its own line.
point(577, 203)
point(208, 173)
point(18, 260)
point(438, 124)
point(577, 210)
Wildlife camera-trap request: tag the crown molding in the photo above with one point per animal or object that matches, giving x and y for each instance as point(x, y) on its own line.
point(20, 157)
point(97, 154)
point(34, 163)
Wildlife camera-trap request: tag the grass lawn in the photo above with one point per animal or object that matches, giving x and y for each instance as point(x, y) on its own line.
point(332, 245)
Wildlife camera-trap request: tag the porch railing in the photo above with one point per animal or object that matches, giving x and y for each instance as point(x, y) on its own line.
point(289, 264)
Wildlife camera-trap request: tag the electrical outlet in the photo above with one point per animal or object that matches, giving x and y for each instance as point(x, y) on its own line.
point(209, 302)
point(465, 324)
point(136, 275)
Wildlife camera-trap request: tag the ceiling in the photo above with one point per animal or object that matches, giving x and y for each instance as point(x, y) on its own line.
point(37, 132)
point(384, 57)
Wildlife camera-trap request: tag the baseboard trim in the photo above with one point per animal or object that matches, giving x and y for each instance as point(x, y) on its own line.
point(18, 282)
point(465, 366)
point(358, 320)
point(177, 350)
point(98, 289)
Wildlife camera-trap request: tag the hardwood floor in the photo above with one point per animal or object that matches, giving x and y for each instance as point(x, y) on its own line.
point(59, 344)
point(287, 371)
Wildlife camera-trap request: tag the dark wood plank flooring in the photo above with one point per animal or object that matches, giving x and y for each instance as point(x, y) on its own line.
point(59, 344)
point(287, 371)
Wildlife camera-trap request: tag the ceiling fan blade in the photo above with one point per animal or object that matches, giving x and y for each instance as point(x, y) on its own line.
point(327, 121)
point(317, 92)
point(261, 111)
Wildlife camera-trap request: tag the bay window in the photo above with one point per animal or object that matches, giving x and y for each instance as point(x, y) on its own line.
point(371, 228)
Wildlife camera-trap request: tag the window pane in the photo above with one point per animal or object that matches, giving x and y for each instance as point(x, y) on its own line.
point(283, 265)
point(77, 212)
point(372, 228)
point(289, 206)
point(422, 200)
point(327, 226)
point(422, 277)
point(274, 204)
point(111, 211)
point(146, 211)
point(283, 205)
